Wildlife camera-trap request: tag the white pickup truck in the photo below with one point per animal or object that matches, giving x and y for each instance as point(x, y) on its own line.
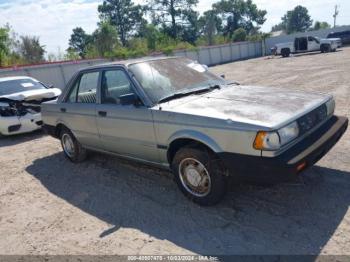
point(306, 44)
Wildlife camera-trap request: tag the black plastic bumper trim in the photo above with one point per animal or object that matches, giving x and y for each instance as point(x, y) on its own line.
point(284, 167)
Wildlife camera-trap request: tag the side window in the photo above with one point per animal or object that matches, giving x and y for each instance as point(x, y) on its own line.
point(72, 97)
point(88, 87)
point(84, 89)
point(115, 83)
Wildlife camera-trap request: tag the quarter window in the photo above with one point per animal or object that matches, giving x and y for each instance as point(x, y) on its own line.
point(115, 83)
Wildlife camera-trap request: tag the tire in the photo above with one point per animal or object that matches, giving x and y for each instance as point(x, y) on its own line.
point(199, 161)
point(72, 149)
point(285, 52)
point(325, 48)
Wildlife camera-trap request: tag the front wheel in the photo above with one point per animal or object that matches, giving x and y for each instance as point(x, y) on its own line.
point(72, 149)
point(200, 175)
point(325, 48)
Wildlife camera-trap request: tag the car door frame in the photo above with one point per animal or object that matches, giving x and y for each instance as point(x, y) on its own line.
point(138, 91)
point(66, 107)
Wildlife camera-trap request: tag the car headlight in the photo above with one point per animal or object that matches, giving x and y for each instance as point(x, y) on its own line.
point(330, 107)
point(274, 140)
point(6, 111)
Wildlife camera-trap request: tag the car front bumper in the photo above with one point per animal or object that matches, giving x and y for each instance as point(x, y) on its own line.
point(12, 125)
point(286, 166)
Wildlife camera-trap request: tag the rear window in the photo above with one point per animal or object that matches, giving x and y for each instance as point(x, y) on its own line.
point(19, 85)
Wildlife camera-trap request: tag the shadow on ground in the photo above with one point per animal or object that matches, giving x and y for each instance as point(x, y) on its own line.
point(20, 138)
point(286, 219)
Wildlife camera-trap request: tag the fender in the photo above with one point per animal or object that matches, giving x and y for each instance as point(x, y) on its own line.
point(198, 136)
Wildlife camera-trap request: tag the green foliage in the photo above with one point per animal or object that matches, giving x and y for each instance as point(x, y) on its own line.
point(31, 49)
point(152, 35)
point(297, 20)
point(105, 39)
point(4, 44)
point(239, 35)
point(79, 41)
point(258, 37)
point(321, 25)
point(240, 14)
point(210, 24)
point(278, 27)
point(124, 15)
point(176, 17)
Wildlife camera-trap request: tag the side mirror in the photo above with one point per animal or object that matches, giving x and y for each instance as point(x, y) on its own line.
point(129, 99)
point(222, 76)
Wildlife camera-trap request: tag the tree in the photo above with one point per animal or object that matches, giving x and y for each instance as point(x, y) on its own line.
point(240, 14)
point(173, 15)
point(278, 27)
point(239, 35)
point(190, 32)
point(297, 20)
point(209, 25)
point(79, 41)
point(124, 15)
point(105, 38)
point(31, 49)
point(152, 36)
point(4, 43)
point(321, 25)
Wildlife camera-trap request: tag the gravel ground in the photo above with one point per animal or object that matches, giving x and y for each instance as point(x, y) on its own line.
point(110, 206)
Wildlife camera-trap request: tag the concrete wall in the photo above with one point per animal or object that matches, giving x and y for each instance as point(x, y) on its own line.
point(220, 54)
point(270, 42)
point(59, 74)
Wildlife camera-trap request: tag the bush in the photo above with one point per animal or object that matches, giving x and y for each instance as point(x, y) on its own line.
point(239, 35)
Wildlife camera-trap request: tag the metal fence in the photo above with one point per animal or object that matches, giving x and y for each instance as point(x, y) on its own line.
point(58, 74)
point(323, 33)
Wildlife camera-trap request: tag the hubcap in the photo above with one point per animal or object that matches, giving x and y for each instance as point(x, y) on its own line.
point(68, 145)
point(194, 177)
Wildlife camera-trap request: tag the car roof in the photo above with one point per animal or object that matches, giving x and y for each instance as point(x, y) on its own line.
point(11, 78)
point(129, 62)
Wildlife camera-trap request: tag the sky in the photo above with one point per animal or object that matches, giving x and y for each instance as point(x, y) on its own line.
point(53, 20)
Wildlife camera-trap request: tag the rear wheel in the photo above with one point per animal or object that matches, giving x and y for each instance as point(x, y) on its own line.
point(285, 52)
point(200, 175)
point(72, 149)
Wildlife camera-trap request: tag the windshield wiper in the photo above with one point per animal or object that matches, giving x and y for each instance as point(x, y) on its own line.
point(182, 94)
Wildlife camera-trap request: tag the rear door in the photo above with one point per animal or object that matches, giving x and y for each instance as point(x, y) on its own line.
point(124, 129)
point(78, 111)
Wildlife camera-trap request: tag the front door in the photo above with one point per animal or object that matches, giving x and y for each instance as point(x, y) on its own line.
point(124, 129)
point(313, 44)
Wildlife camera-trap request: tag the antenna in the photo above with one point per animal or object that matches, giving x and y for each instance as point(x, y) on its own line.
point(336, 13)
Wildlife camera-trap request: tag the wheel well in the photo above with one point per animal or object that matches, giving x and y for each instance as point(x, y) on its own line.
point(58, 130)
point(183, 142)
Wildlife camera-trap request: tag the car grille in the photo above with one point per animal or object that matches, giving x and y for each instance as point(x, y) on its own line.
point(312, 119)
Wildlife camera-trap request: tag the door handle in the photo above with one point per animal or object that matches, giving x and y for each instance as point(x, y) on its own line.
point(102, 113)
point(63, 109)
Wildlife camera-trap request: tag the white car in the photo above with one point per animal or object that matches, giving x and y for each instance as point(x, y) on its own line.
point(20, 104)
point(306, 44)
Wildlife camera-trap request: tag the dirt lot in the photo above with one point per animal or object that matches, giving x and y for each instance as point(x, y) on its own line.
point(110, 206)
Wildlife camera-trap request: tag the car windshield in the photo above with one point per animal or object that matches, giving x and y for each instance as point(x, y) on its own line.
point(166, 77)
point(19, 85)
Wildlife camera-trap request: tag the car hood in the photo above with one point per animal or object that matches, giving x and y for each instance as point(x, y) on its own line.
point(260, 106)
point(37, 95)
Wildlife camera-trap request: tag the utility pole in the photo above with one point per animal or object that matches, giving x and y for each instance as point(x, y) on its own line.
point(336, 13)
